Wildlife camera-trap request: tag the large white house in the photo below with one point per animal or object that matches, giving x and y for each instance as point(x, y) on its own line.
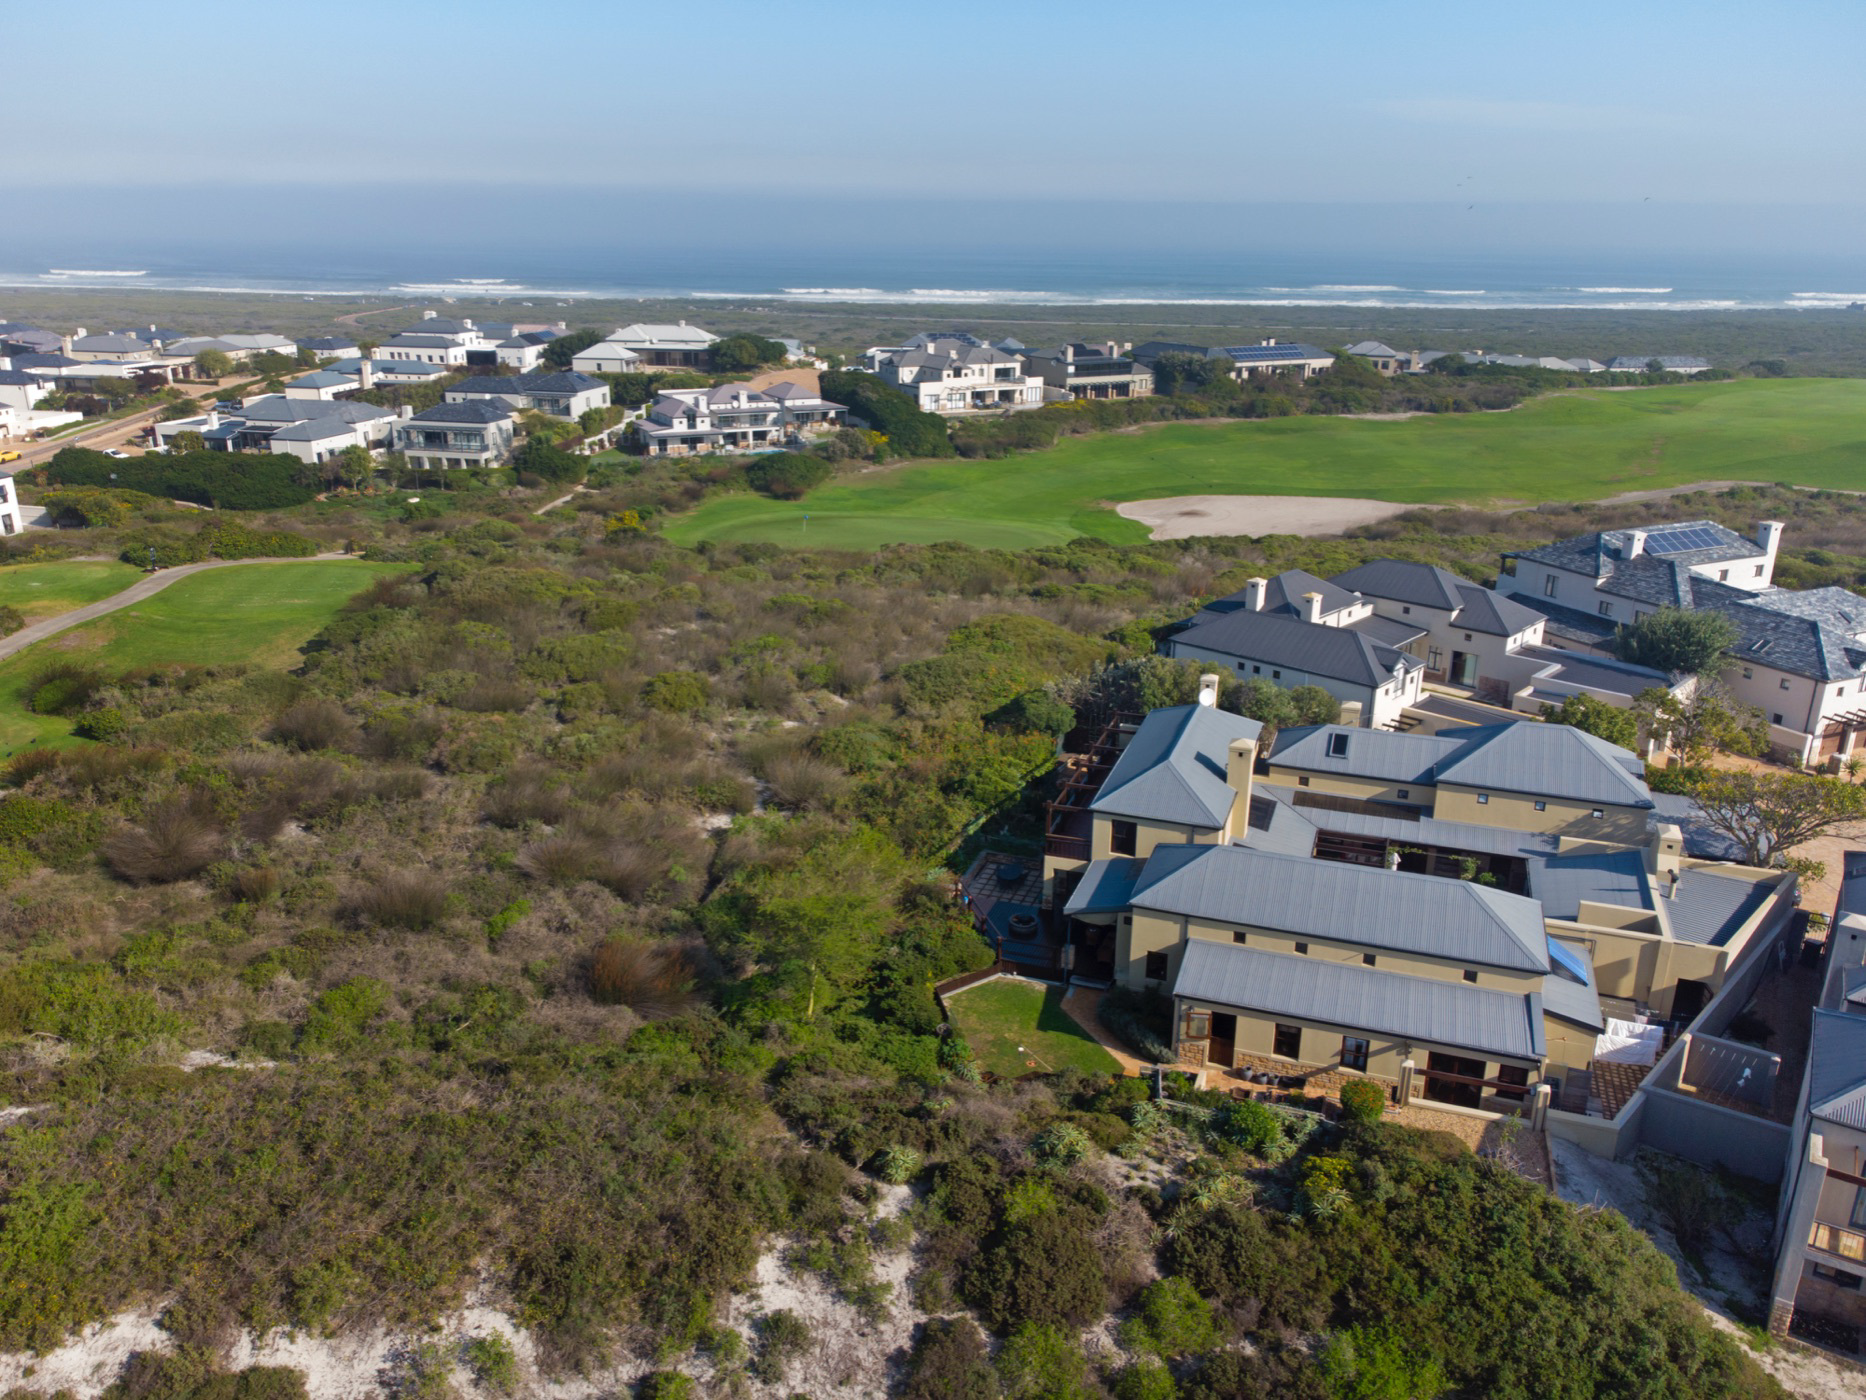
point(1800, 657)
point(679, 346)
point(733, 418)
point(565, 395)
point(956, 374)
point(1297, 629)
point(477, 433)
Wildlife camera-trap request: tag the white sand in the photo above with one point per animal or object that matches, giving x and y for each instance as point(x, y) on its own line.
point(1181, 517)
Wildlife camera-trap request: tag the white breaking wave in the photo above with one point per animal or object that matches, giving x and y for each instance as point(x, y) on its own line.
point(1626, 291)
point(1343, 287)
point(90, 272)
point(1443, 292)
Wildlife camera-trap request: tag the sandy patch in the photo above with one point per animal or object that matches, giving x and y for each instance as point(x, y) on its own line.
point(1665, 493)
point(1182, 517)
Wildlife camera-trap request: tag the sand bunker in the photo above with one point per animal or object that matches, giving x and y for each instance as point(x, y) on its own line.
point(1181, 517)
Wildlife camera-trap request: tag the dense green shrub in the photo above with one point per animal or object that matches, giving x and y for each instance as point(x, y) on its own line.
point(788, 476)
point(678, 692)
point(949, 1362)
point(224, 480)
point(886, 410)
point(1046, 1269)
point(1363, 1101)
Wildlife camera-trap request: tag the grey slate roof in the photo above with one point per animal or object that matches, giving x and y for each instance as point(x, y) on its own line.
point(1561, 883)
point(19, 377)
point(328, 344)
point(1636, 364)
point(1404, 581)
point(102, 344)
point(278, 408)
point(354, 366)
point(313, 430)
point(1374, 350)
point(1282, 596)
point(1573, 625)
point(1596, 672)
point(1363, 999)
point(1338, 653)
point(1837, 1068)
point(1709, 909)
point(472, 411)
point(52, 361)
point(1106, 887)
point(1173, 769)
point(1813, 633)
point(1600, 554)
point(1457, 920)
point(565, 382)
point(323, 379)
point(1485, 610)
point(1387, 631)
point(409, 340)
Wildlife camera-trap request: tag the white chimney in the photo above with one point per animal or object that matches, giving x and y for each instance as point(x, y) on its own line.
point(1636, 544)
point(367, 373)
point(213, 419)
point(1769, 536)
point(1240, 756)
point(1208, 690)
point(64, 345)
point(405, 412)
point(429, 315)
point(1254, 590)
point(1312, 607)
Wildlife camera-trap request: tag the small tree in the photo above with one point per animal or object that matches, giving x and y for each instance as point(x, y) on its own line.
point(187, 440)
point(213, 364)
point(1711, 719)
point(1363, 1101)
point(1596, 717)
point(1676, 640)
point(1767, 814)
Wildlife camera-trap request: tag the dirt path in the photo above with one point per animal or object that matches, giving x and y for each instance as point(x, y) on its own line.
point(569, 495)
point(355, 318)
point(135, 593)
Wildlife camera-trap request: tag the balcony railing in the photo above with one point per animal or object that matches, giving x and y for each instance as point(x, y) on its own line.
point(1836, 1239)
point(1067, 847)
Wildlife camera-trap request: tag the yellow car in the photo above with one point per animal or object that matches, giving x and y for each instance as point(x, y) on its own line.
point(9, 456)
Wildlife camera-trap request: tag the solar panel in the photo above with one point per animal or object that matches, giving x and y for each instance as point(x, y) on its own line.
point(1685, 538)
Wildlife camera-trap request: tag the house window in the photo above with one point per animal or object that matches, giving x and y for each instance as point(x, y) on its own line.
point(1859, 1208)
point(1748, 674)
point(1288, 1042)
point(1302, 780)
point(1303, 948)
point(1839, 1278)
point(1598, 813)
point(1354, 1053)
point(1434, 659)
point(1276, 675)
point(1834, 1240)
point(1548, 586)
point(1784, 683)
point(1407, 611)
point(1239, 936)
point(1467, 636)
point(1542, 806)
point(1405, 793)
point(1337, 746)
point(1605, 609)
point(1723, 576)
point(1775, 719)
point(1483, 799)
point(1256, 670)
point(1156, 967)
point(1759, 571)
point(1367, 959)
point(1513, 1074)
point(1470, 974)
point(1198, 1024)
point(1122, 837)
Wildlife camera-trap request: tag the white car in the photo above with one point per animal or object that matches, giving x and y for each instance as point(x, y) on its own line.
point(116, 452)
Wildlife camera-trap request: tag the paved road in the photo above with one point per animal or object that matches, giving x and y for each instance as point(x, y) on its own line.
point(135, 593)
point(115, 433)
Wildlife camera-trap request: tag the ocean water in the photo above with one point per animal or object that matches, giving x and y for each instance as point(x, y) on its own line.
point(580, 246)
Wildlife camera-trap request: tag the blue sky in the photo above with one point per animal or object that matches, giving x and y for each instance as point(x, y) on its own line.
point(1444, 102)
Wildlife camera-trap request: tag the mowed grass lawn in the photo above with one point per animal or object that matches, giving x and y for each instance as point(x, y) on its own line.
point(41, 590)
point(1021, 1028)
point(255, 613)
point(1581, 445)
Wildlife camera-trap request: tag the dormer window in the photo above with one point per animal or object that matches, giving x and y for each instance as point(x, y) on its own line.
point(1337, 746)
point(1760, 645)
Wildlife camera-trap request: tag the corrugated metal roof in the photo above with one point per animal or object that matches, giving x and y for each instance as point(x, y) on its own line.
point(1173, 769)
point(1561, 883)
point(1569, 991)
point(1457, 920)
point(1709, 909)
point(1426, 831)
point(1547, 760)
point(1837, 1068)
point(1106, 887)
point(1371, 753)
point(1363, 999)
